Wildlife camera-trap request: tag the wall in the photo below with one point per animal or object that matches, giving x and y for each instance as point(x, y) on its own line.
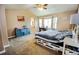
point(78, 8)
point(12, 23)
point(63, 19)
point(3, 25)
point(1, 43)
point(3, 29)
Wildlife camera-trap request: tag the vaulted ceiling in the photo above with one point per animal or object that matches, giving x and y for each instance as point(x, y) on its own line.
point(51, 8)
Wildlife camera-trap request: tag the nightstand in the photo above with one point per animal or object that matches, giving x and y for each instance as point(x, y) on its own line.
point(42, 29)
point(70, 47)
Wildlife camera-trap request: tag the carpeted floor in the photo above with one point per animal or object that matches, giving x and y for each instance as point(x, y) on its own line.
point(26, 46)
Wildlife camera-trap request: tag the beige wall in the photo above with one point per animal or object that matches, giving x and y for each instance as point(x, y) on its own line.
point(63, 19)
point(3, 28)
point(63, 23)
point(1, 43)
point(11, 17)
point(3, 25)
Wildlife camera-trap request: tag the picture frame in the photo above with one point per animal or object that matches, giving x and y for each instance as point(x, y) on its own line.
point(20, 18)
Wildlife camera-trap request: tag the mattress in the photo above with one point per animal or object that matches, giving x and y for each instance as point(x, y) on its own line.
point(53, 35)
point(48, 40)
point(49, 34)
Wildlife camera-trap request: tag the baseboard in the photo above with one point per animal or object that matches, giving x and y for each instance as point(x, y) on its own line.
point(3, 51)
point(5, 46)
point(11, 37)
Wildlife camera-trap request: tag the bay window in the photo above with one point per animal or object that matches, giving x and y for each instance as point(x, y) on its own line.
point(47, 23)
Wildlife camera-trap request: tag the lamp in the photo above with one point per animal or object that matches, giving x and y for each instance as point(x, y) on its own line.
point(75, 20)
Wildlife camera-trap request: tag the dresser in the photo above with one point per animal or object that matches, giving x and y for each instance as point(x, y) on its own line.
point(42, 29)
point(22, 32)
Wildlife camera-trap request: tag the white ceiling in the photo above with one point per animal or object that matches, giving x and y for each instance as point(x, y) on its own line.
point(51, 8)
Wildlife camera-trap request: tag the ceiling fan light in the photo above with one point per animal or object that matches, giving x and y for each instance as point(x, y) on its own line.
point(40, 9)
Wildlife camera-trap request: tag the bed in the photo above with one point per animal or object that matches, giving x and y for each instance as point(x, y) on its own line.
point(53, 35)
point(52, 38)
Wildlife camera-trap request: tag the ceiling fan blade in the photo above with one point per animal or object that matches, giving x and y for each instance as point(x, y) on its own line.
point(45, 8)
point(45, 4)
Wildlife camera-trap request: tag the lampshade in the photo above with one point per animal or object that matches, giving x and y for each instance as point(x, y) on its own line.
point(74, 19)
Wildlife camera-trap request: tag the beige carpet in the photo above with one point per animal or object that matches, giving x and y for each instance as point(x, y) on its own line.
point(26, 46)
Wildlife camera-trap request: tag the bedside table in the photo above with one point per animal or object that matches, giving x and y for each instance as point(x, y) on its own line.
point(70, 47)
point(42, 29)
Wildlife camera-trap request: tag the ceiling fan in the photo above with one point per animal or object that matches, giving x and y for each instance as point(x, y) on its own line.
point(41, 6)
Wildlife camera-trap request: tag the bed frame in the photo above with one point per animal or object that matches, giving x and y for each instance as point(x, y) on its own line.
point(49, 43)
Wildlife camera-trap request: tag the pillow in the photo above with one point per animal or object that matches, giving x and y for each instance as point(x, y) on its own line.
point(60, 36)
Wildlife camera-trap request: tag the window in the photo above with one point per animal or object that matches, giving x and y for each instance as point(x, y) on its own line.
point(55, 22)
point(40, 23)
point(47, 23)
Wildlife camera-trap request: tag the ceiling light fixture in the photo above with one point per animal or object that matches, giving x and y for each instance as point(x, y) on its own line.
point(40, 9)
point(41, 6)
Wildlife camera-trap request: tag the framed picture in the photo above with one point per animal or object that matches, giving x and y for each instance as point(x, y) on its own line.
point(20, 18)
